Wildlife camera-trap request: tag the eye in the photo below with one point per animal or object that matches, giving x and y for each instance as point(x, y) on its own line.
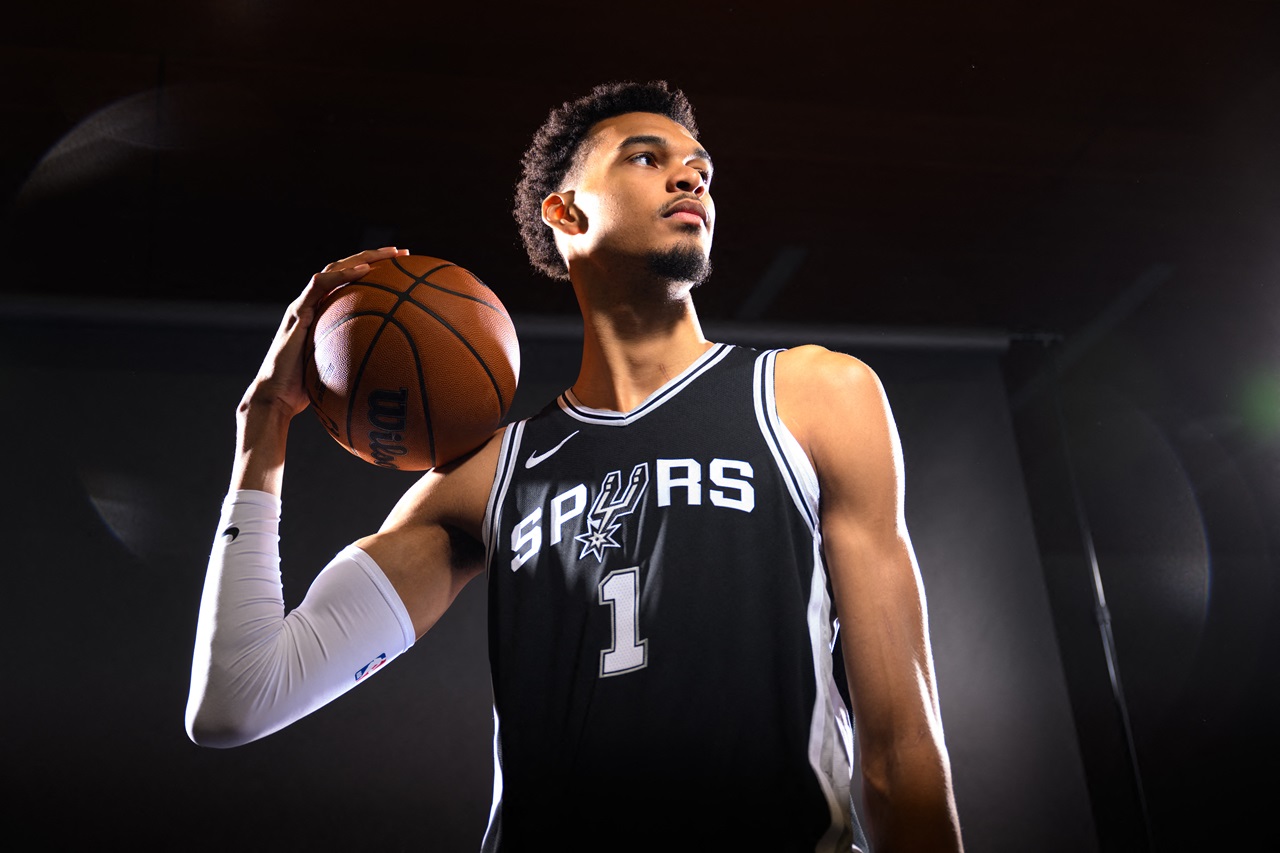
point(644, 158)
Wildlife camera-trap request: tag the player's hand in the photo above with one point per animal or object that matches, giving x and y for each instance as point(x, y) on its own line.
point(278, 386)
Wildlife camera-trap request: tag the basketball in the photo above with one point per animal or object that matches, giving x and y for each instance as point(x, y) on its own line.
point(413, 365)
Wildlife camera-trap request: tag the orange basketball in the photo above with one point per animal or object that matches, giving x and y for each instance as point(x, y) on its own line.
point(413, 365)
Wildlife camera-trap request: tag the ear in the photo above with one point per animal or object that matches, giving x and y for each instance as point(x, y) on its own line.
point(559, 211)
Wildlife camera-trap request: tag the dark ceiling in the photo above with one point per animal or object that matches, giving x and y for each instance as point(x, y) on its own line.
point(990, 164)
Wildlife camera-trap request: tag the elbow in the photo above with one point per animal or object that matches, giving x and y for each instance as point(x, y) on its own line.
point(223, 710)
point(908, 794)
point(210, 731)
point(215, 737)
point(212, 725)
point(909, 764)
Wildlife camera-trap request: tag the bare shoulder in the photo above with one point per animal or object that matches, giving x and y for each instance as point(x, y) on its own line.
point(824, 396)
point(454, 495)
point(818, 368)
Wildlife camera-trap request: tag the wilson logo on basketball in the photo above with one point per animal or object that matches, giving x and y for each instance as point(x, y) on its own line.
point(387, 410)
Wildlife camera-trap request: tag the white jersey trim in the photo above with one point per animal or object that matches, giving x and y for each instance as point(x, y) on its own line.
point(497, 784)
point(507, 458)
point(573, 407)
point(830, 732)
point(793, 462)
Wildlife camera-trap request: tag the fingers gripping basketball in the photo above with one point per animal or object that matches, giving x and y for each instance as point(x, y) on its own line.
point(412, 365)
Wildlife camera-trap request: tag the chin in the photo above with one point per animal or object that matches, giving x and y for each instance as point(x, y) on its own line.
point(681, 263)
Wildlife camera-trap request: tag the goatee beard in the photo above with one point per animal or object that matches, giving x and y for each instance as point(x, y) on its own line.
point(681, 263)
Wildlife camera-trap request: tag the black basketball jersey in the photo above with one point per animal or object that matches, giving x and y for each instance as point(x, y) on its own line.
point(660, 627)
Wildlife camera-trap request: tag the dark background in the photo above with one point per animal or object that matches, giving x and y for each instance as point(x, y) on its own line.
point(1091, 191)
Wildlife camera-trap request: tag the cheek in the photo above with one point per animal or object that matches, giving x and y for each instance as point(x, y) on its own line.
point(613, 211)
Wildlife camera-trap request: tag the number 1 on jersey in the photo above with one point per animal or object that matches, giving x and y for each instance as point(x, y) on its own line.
point(627, 652)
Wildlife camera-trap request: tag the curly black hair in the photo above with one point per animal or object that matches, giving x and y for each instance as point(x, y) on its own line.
point(556, 146)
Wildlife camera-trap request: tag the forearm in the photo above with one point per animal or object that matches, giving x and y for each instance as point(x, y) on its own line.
point(909, 801)
point(262, 434)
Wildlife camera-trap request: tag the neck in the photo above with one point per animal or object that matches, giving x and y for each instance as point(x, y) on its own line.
point(637, 336)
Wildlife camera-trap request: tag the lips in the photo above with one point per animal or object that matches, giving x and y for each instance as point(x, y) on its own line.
point(687, 211)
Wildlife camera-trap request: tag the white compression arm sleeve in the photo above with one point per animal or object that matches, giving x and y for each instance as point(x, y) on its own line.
point(255, 670)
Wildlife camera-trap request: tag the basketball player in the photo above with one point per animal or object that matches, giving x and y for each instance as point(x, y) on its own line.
point(667, 546)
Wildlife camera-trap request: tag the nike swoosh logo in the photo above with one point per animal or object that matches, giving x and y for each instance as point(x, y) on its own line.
point(233, 532)
point(536, 458)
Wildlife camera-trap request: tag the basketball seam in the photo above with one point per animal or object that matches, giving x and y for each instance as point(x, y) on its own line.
point(423, 279)
point(355, 384)
point(405, 296)
point(493, 380)
point(387, 319)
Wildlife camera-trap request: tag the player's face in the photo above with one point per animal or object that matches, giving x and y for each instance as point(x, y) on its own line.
point(645, 189)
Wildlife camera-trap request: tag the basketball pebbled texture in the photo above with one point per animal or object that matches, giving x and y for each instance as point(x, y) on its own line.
point(413, 365)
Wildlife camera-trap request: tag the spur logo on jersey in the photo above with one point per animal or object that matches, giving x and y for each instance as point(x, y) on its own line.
point(675, 481)
point(612, 503)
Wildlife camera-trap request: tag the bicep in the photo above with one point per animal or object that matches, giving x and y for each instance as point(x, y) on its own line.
point(427, 564)
point(429, 547)
point(883, 625)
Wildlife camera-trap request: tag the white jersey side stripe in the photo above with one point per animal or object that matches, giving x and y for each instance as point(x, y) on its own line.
point(830, 735)
point(797, 471)
point(830, 742)
point(507, 458)
point(496, 804)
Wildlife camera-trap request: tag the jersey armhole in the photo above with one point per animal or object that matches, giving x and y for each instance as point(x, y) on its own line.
point(797, 471)
point(507, 457)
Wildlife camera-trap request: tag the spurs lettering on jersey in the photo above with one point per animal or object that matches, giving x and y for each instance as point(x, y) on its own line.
point(676, 480)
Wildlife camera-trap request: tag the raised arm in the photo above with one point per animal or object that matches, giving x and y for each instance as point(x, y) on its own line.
point(836, 407)
point(277, 393)
point(256, 669)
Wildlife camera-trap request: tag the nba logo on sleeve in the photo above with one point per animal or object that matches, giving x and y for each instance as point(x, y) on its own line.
point(371, 667)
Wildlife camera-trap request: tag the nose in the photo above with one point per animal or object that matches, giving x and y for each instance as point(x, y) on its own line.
point(689, 180)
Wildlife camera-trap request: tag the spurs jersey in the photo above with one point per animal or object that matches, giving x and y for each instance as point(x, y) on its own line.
point(660, 628)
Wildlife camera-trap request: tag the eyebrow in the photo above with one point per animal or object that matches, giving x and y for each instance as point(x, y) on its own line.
point(659, 142)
